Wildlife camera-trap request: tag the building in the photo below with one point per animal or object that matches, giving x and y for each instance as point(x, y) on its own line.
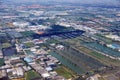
point(3, 75)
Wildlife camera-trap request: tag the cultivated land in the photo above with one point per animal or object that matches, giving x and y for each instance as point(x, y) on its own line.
point(58, 41)
point(32, 75)
point(95, 54)
point(91, 53)
point(64, 71)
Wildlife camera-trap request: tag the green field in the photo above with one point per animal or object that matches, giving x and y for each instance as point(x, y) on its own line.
point(52, 41)
point(29, 44)
point(6, 45)
point(27, 33)
point(96, 55)
point(103, 38)
point(32, 75)
point(65, 72)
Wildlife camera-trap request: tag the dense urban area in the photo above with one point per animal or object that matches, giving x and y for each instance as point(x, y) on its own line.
point(59, 42)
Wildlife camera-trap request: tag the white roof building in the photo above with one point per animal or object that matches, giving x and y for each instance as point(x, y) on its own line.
point(45, 75)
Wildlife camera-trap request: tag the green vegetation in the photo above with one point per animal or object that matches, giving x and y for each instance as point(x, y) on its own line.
point(103, 38)
point(66, 60)
point(65, 72)
point(52, 41)
point(31, 75)
point(29, 44)
point(104, 59)
point(6, 45)
point(1, 61)
point(27, 33)
point(96, 55)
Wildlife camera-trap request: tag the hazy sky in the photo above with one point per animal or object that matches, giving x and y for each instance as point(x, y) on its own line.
point(74, 1)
